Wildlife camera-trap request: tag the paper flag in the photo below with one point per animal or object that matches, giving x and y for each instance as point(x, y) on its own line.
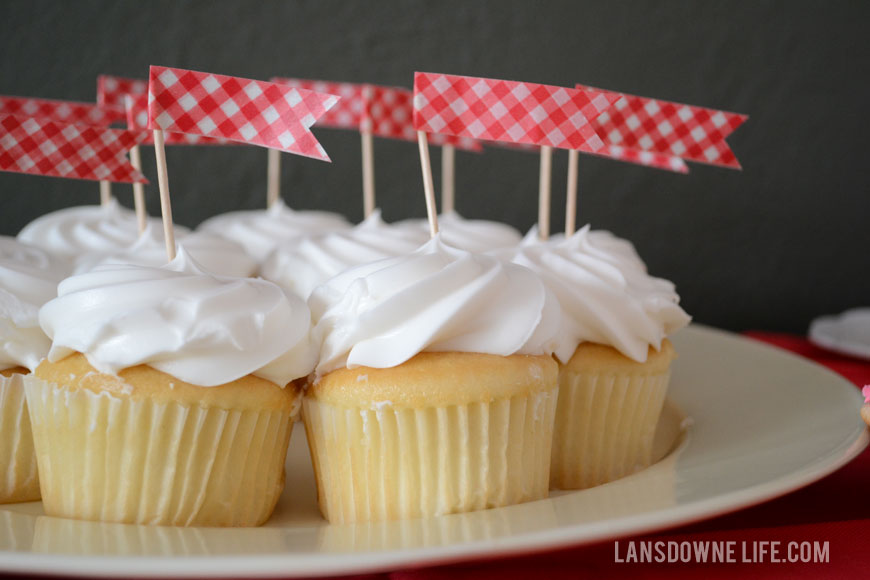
point(112, 90)
point(645, 158)
point(498, 110)
point(244, 110)
point(389, 112)
point(42, 146)
point(136, 108)
point(692, 133)
point(346, 114)
point(61, 111)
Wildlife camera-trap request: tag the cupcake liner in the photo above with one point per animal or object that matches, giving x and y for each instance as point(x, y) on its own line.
point(605, 425)
point(19, 479)
point(394, 463)
point(117, 459)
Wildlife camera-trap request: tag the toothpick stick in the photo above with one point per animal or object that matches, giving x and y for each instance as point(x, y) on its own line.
point(105, 192)
point(448, 178)
point(544, 192)
point(138, 191)
point(165, 205)
point(273, 178)
point(428, 187)
point(571, 194)
point(368, 172)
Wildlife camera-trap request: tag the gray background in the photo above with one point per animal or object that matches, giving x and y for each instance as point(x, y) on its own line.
point(769, 247)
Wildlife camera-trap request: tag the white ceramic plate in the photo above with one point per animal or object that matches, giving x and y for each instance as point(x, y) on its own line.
point(763, 423)
point(847, 333)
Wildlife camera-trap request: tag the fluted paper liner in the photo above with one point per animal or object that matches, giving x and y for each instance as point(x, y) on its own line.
point(19, 480)
point(118, 459)
point(397, 463)
point(605, 424)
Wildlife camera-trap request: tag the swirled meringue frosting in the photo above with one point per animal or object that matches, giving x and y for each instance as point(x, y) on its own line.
point(468, 234)
point(76, 231)
point(301, 265)
point(214, 253)
point(200, 328)
point(605, 292)
point(28, 279)
point(438, 298)
point(261, 231)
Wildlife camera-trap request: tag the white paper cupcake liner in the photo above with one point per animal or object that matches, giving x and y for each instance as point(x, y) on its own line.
point(605, 425)
point(115, 459)
point(19, 479)
point(388, 463)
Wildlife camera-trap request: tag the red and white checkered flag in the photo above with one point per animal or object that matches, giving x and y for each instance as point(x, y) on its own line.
point(244, 110)
point(498, 110)
point(41, 146)
point(137, 120)
point(61, 111)
point(346, 114)
point(645, 158)
point(389, 112)
point(689, 132)
point(111, 90)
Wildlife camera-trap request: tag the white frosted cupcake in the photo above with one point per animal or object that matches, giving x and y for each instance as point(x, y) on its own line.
point(436, 387)
point(261, 231)
point(215, 254)
point(73, 232)
point(166, 397)
point(612, 388)
point(470, 235)
point(298, 266)
point(28, 279)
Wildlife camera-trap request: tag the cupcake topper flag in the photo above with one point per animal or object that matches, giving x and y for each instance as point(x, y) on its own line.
point(658, 134)
point(346, 114)
point(237, 109)
point(507, 111)
point(41, 146)
point(65, 112)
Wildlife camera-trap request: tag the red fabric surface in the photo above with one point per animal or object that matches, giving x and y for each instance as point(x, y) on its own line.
point(835, 509)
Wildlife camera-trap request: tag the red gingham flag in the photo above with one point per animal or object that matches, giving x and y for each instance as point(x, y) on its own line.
point(45, 147)
point(692, 133)
point(112, 90)
point(498, 110)
point(137, 120)
point(346, 114)
point(646, 158)
point(389, 112)
point(61, 111)
point(244, 110)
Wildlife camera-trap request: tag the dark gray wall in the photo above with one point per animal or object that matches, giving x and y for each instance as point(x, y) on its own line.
point(770, 247)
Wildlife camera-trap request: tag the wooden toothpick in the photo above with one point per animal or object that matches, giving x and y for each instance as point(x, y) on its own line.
point(544, 192)
point(571, 193)
point(448, 178)
point(165, 204)
point(273, 177)
point(428, 187)
point(368, 172)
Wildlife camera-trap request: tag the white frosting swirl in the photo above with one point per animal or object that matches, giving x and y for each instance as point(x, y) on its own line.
point(436, 299)
point(261, 231)
point(75, 231)
point(470, 235)
point(28, 279)
point(215, 254)
point(605, 291)
point(301, 265)
point(202, 329)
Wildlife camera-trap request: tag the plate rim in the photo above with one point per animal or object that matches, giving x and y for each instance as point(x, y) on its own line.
point(521, 544)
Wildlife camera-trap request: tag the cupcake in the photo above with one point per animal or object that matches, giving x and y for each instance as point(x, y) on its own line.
point(261, 231)
point(215, 254)
point(28, 279)
point(73, 232)
point(436, 388)
point(298, 266)
point(612, 385)
point(470, 235)
point(167, 396)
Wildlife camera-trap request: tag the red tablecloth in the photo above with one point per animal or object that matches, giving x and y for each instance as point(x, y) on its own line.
point(835, 509)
